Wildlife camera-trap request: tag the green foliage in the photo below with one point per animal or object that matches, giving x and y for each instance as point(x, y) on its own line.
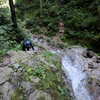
point(8, 38)
point(18, 93)
point(63, 39)
point(98, 54)
point(92, 79)
point(81, 21)
point(40, 46)
point(37, 12)
point(30, 23)
point(49, 80)
point(60, 45)
point(48, 40)
point(64, 93)
point(4, 16)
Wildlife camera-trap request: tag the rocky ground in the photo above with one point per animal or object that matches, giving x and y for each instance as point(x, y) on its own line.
point(31, 76)
point(20, 78)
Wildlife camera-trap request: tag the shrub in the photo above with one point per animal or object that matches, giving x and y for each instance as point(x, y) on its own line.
point(63, 39)
point(60, 45)
point(48, 40)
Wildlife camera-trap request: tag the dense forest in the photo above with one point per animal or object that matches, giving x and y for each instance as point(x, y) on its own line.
point(81, 20)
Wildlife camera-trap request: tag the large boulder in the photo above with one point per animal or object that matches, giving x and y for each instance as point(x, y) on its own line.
point(90, 54)
point(25, 76)
point(92, 68)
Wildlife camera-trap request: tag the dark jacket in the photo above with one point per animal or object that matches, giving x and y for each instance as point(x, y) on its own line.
point(26, 46)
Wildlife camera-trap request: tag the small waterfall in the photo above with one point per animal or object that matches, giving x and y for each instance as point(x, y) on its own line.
point(73, 63)
point(73, 67)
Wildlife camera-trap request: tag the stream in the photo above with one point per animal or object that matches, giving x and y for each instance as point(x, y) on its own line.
point(73, 62)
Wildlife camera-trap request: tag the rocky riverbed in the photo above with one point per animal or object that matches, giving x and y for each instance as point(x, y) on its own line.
point(89, 65)
point(42, 75)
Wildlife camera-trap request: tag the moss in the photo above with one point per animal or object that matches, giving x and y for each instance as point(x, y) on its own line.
point(8, 91)
point(1, 93)
point(55, 94)
point(92, 79)
point(40, 46)
point(10, 80)
point(18, 94)
point(41, 97)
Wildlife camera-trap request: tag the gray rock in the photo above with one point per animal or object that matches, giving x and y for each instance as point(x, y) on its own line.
point(1, 64)
point(41, 40)
point(90, 54)
point(27, 85)
point(36, 40)
point(56, 58)
point(11, 53)
point(20, 69)
point(35, 79)
point(54, 67)
point(85, 54)
point(39, 94)
point(16, 65)
point(98, 61)
point(7, 90)
point(4, 74)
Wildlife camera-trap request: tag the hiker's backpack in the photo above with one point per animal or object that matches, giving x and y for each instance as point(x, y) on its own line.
point(28, 43)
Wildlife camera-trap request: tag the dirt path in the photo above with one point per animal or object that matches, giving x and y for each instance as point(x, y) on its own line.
point(56, 38)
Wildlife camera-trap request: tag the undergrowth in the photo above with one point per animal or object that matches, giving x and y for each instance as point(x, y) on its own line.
point(81, 21)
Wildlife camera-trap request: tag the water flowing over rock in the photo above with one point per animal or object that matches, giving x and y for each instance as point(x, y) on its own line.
point(73, 63)
point(83, 72)
point(82, 69)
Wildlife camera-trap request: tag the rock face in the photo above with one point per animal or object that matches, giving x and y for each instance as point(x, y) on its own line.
point(90, 54)
point(31, 76)
point(93, 83)
point(89, 64)
point(39, 94)
point(92, 68)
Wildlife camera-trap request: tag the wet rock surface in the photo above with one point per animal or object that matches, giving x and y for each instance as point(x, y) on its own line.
point(90, 66)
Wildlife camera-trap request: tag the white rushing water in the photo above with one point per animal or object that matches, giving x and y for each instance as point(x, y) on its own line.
point(72, 63)
point(76, 77)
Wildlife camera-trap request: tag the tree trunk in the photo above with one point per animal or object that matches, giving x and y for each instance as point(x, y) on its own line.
point(12, 8)
point(99, 14)
point(98, 19)
point(41, 7)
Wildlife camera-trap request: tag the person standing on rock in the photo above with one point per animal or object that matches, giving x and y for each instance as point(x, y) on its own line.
point(27, 44)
